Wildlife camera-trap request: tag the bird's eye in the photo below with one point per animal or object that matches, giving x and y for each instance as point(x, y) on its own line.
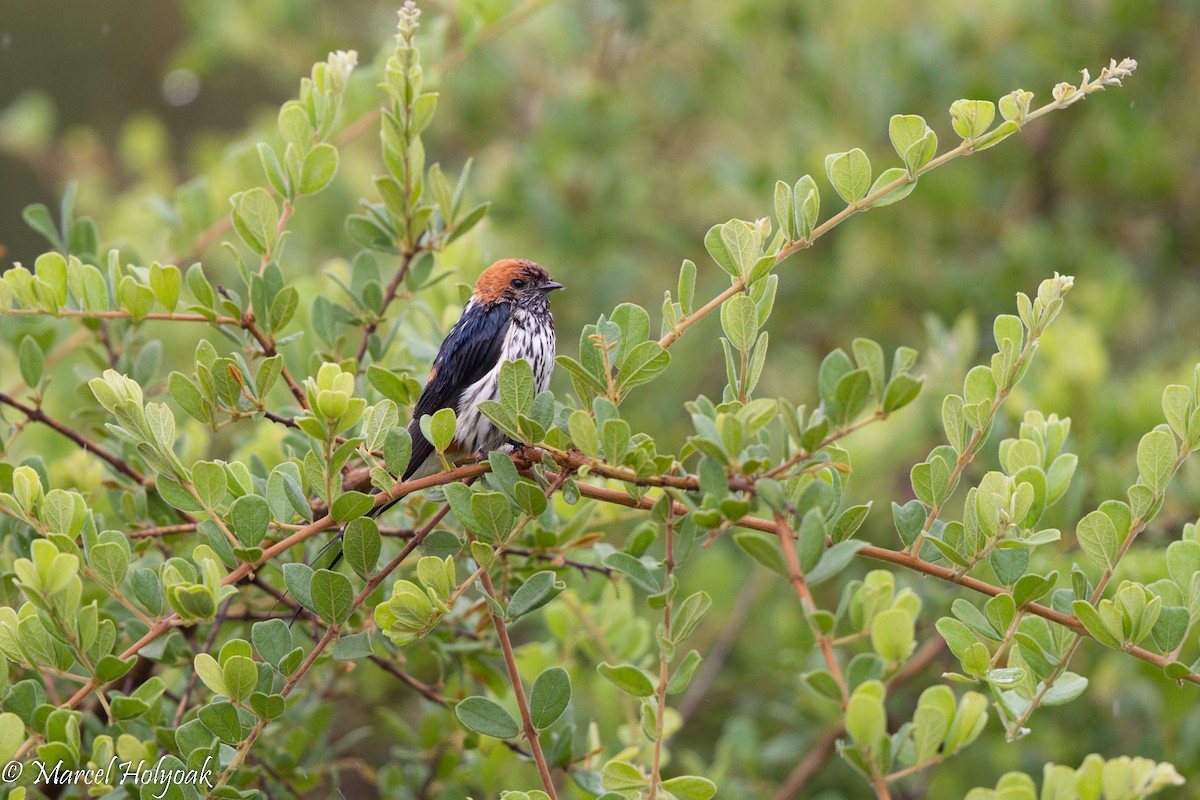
point(518, 283)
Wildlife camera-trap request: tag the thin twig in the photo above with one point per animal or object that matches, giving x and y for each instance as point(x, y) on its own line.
point(787, 541)
point(514, 676)
point(37, 415)
point(664, 663)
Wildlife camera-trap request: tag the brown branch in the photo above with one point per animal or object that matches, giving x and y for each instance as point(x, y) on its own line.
point(787, 541)
point(37, 415)
point(330, 635)
point(510, 665)
point(246, 568)
point(664, 662)
point(388, 297)
point(268, 349)
point(913, 563)
point(71, 312)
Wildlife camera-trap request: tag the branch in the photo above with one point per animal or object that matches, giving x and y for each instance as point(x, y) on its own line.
point(247, 568)
point(330, 635)
point(37, 415)
point(514, 676)
point(968, 146)
point(787, 541)
point(911, 562)
point(664, 662)
point(388, 297)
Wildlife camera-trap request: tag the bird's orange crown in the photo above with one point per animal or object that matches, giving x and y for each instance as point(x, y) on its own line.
point(496, 283)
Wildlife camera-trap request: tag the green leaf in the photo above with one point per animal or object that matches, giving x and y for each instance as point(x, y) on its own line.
point(298, 580)
point(849, 521)
point(210, 482)
point(615, 434)
point(901, 390)
point(1095, 624)
point(110, 667)
point(256, 219)
point(188, 396)
point(320, 165)
point(516, 387)
point(739, 320)
point(240, 677)
point(642, 364)
point(222, 719)
point(37, 216)
point(31, 361)
point(628, 679)
point(584, 433)
point(210, 672)
point(888, 177)
point(893, 635)
point(807, 205)
point(687, 285)
point(850, 174)
point(165, 282)
point(633, 568)
point(549, 698)
point(623, 777)
point(441, 429)
point(110, 562)
point(853, 394)
point(690, 787)
point(332, 596)
point(996, 135)
point(1068, 687)
point(492, 514)
point(361, 545)
point(741, 244)
point(251, 516)
point(865, 719)
point(972, 118)
point(1098, 537)
point(683, 673)
point(763, 548)
point(272, 706)
point(272, 639)
point(125, 708)
point(1171, 627)
point(351, 505)
point(836, 558)
point(1156, 456)
point(906, 130)
point(352, 647)
point(486, 717)
point(539, 589)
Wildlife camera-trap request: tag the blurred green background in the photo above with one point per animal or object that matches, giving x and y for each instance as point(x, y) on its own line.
point(610, 135)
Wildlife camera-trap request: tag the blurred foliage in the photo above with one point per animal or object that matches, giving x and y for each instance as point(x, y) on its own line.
point(609, 136)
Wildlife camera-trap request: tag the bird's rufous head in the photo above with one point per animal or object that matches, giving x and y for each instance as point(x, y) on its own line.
point(515, 280)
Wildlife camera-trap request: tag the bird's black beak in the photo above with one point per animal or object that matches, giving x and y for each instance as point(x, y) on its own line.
point(550, 286)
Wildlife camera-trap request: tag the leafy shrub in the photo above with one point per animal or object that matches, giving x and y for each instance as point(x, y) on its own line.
point(143, 621)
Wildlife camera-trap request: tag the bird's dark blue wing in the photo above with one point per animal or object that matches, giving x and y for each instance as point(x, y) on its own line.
point(470, 351)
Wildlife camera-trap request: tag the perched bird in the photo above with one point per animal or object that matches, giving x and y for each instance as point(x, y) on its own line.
point(507, 318)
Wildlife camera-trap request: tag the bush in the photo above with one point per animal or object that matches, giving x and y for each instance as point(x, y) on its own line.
point(560, 611)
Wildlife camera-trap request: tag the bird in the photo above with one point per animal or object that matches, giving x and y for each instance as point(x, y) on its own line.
point(507, 319)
